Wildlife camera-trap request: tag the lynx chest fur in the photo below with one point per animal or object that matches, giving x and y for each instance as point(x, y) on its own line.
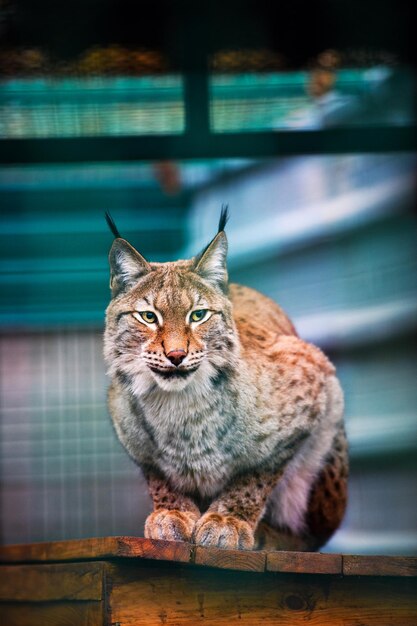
point(235, 421)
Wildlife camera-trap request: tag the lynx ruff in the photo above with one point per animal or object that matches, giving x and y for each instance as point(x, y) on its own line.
point(236, 422)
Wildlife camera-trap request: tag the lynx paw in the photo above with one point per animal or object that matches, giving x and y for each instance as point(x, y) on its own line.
point(171, 525)
point(223, 531)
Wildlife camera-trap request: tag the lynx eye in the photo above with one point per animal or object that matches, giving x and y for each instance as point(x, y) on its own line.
point(148, 316)
point(198, 315)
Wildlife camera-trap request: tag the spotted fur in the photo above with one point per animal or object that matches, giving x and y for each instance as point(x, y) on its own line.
point(242, 442)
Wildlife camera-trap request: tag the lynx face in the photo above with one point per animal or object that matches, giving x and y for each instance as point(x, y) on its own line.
point(168, 323)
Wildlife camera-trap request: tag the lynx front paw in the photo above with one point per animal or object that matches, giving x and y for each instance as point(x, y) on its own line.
point(223, 531)
point(170, 525)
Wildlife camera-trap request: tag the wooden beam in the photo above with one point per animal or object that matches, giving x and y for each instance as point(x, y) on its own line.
point(180, 552)
point(96, 548)
point(304, 562)
point(177, 551)
point(364, 565)
point(144, 583)
point(53, 613)
point(144, 596)
point(376, 139)
point(230, 559)
point(41, 583)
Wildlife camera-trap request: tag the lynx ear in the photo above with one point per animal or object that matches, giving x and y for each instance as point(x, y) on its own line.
point(211, 263)
point(127, 266)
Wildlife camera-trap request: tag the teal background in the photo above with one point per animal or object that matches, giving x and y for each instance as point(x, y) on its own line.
point(332, 238)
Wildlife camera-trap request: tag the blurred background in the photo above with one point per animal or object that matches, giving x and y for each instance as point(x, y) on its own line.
point(302, 119)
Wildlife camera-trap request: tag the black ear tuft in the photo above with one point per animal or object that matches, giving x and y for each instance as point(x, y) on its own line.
point(224, 217)
point(112, 226)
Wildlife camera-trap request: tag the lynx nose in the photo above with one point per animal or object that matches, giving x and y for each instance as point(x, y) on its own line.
point(176, 356)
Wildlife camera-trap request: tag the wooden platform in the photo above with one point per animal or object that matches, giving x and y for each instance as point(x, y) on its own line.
point(126, 581)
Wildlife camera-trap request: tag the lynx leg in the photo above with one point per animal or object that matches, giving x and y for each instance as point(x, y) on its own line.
point(174, 515)
point(231, 520)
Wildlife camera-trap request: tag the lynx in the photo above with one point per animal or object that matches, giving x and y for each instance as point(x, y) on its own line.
point(236, 422)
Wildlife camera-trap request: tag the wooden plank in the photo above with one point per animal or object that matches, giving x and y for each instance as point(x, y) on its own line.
point(304, 562)
point(230, 559)
point(96, 548)
point(178, 551)
point(176, 595)
point(358, 565)
point(71, 550)
point(130, 547)
point(53, 614)
point(39, 583)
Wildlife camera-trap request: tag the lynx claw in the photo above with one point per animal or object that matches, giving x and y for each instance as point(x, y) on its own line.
point(170, 525)
point(223, 531)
